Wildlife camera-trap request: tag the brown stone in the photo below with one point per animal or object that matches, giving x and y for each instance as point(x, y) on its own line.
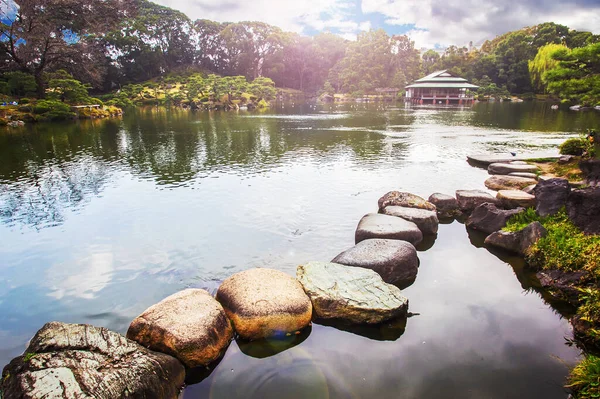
point(408, 200)
point(511, 199)
point(264, 302)
point(189, 325)
point(505, 182)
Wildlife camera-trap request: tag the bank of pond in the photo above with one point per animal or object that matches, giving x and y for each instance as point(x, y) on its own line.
point(552, 222)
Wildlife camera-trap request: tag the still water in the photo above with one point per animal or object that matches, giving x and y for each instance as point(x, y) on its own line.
point(101, 219)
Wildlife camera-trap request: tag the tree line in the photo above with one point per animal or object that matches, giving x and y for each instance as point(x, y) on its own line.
point(108, 44)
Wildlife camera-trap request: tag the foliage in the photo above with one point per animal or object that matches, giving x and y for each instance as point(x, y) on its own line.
point(64, 87)
point(574, 146)
point(52, 110)
point(565, 247)
point(17, 84)
point(542, 63)
point(577, 76)
point(584, 379)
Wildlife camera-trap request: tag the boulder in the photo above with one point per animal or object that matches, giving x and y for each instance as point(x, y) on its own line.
point(518, 241)
point(446, 205)
point(77, 361)
point(353, 294)
point(524, 174)
point(189, 325)
point(591, 170)
point(426, 221)
point(511, 199)
point(407, 200)
point(471, 199)
point(375, 225)
point(529, 189)
point(564, 285)
point(488, 218)
point(507, 182)
point(262, 303)
point(394, 260)
point(565, 159)
point(551, 195)
point(583, 207)
point(506, 168)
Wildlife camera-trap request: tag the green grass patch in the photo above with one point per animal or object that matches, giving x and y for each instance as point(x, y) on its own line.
point(584, 379)
point(565, 247)
point(28, 356)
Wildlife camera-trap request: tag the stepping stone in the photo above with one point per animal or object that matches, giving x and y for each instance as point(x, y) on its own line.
point(374, 225)
point(487, 159)
point(524, 174)
point(394, 260)
point(82, 361)
point(425, 220)
point(507, 182)
point(263, 303)
point(529, 189)
point(517, 241)
point(471, 199)
point(352, 294)
point(512, 199)
point(407, 200)
point(446, 205)
point(504, 168)
point(189, 325)
point(488, 218)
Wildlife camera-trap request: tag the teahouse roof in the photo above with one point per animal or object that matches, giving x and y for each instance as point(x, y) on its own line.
point(442, 79)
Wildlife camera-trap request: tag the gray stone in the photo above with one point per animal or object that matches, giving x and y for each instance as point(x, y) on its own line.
point(352, 294)
point(446, 205)
point(524, 174)
point(591, 170)
point(518, 163)
point(529, 189)
point(77, 361)
point(488, 218)
point(426, 221)
point(519, 241)
point(471, 199)
point(504, 169)
point(394, 260)
point(189, 325)
point(263, 303)
point(551, 195)
point(487, 159)
point(374, 225)
point(511, 199)
point(583, 207)
point(565, 158)
point(408, 200)
point(507, 182)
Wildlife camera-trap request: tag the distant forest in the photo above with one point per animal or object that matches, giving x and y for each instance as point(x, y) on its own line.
point(107, 44)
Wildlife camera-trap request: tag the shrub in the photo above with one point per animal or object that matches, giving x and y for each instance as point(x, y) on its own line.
point(53, 110)
point(24, 101)
point(574, 146)
point(584, 378)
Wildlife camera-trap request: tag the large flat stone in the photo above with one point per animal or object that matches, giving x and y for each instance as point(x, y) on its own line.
point(511, 199)
point(504, 168)
point(394, 260)
point(78, 361)
point(524, 174)
point(408, 200)
point(189, 325)
point(426, 221)
point(374, 225)
point(352, 294)
point(507, 182)
point(262, 303)
point(471, 199)
point(488, 159)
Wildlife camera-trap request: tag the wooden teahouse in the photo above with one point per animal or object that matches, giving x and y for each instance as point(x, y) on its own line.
point(441, 87)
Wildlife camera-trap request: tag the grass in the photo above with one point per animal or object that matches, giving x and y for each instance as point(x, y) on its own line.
point(28, 356)
point(584, 379)
point(564, 248)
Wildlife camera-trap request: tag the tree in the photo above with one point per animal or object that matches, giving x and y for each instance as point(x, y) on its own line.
point(430, 60)
point(577, 76)
point(46, 35)
point(65, 88)
point(18, 84)
point(541, 64)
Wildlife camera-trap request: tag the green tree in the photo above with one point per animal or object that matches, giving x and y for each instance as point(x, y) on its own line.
point(65, 88)
point(542, 63)
point(577, 76)
point(18, 84)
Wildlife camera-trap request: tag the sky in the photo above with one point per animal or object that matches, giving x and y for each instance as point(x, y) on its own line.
point(430, 23)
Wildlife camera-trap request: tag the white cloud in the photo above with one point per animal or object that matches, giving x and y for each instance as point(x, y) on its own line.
point(448, 22)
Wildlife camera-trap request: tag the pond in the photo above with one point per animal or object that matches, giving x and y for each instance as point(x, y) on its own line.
point(101, 219)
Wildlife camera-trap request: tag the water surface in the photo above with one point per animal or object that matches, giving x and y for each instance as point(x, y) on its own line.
point(101, 219)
